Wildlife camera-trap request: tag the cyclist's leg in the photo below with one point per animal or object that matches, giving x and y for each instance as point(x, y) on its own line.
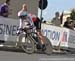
point(19, 32)
point(20, 26)
point(42, 39)
point(38, 28)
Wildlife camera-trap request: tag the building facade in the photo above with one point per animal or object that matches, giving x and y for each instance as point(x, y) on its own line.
point(15, 5)
point(66, 14)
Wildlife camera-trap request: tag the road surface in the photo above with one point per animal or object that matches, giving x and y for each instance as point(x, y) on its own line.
point(8, 54)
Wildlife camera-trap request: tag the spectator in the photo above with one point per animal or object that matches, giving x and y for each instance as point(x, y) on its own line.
point(4, 9)
point(56, 20)
point(69, 23)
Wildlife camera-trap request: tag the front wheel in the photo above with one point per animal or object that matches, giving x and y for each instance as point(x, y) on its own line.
point(27, 44)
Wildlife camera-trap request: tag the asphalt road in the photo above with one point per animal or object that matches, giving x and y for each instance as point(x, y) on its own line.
point(8, 54)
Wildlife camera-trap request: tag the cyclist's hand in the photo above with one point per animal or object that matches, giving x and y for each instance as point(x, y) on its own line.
point(31, 27)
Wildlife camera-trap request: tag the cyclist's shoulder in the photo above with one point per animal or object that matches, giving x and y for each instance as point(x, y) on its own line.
point(33, 17)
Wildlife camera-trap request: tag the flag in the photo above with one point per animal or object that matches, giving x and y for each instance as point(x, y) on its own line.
point(61, 17)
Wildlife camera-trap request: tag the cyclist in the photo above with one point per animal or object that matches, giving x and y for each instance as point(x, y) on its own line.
point(23, 14)
point(25, 20)
point(37, 24)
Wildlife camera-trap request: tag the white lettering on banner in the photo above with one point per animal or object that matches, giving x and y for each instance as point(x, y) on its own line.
point(8, 29)
point(54, 35)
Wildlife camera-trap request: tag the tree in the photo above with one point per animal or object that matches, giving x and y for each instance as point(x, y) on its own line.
point(72, 15)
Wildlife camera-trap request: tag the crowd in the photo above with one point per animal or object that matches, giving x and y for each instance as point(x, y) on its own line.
point(58, 21)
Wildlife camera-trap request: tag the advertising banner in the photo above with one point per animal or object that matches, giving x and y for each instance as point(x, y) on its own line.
point(53, 33)
point(8, 29)
point(56, 35)
point(71, 39)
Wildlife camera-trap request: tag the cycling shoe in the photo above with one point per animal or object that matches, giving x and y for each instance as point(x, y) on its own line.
point(43, 47)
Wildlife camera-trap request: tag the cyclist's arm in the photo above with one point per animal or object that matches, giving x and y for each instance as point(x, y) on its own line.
point(30, 21)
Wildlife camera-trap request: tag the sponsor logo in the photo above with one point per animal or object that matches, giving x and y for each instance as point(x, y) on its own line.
point(8, 29)
point(64, 37)
point(51, 34)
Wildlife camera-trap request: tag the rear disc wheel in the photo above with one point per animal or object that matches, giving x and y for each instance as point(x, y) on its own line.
point(48, 47)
